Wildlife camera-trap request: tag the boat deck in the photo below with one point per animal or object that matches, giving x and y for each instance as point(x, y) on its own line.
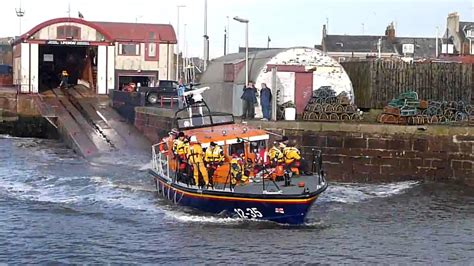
point(311, 184)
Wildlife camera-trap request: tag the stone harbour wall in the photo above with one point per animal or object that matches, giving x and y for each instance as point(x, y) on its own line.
point(154, 123)
point(375, 153)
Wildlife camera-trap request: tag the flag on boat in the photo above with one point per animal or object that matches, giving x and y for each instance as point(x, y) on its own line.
point(279, 210)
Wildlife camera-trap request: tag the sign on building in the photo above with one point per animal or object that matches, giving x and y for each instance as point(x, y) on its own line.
point(48, 58)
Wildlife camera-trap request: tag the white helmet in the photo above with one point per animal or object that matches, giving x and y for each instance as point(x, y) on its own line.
point(193, 139)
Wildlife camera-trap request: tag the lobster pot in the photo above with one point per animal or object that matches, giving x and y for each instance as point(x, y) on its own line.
point(290, 113)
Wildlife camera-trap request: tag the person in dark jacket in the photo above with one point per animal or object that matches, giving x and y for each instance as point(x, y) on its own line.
point(249, 99)
point(266, 101)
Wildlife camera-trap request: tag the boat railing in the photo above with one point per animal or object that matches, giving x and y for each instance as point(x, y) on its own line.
point(317, 163)
point(160, 159)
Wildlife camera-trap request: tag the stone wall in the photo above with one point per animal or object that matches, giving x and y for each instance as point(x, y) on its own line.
point(374, 153)
point(154, 123)
point(29, 127)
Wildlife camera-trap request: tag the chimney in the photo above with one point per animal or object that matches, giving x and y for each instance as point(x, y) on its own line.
point(325, 32)
point(453, 22)
point(390, 32)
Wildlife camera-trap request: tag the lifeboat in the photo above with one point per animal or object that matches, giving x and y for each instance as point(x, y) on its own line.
point(245, 184)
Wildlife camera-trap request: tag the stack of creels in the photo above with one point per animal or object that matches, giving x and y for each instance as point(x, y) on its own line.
point(448, 112)
point(326, 106)
point(411, 111)
point(402, 110)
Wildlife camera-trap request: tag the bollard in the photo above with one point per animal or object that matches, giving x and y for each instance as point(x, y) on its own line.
point(161, 101)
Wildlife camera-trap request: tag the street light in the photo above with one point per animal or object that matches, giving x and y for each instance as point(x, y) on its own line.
point(246, 21)
point(177, 43)
point(20, 13)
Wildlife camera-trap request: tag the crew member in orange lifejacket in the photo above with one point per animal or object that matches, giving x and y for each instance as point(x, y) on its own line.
point(214, 157)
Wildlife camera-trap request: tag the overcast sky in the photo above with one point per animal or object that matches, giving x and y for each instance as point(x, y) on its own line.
point(287, 22)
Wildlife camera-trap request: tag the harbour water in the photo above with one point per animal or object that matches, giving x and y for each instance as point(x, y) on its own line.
point(56, 207)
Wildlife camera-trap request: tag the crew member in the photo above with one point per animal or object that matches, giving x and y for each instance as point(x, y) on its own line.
point(64, 79)
point(194, 155)
point(277, 160)
point(179, 151)
point(292, 159)
point(276, 154)
point(237, 170)
point(214, 157)
point(179, 145)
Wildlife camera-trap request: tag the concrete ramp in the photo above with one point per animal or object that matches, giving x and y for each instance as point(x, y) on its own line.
point(88, 124)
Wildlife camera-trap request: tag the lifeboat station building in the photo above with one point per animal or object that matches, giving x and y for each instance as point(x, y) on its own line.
point(100, 55)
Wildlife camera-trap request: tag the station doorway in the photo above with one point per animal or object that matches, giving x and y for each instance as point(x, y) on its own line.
point(79, 61)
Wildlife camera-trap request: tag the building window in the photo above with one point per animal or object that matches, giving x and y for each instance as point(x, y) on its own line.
point(66, 32)
point(130, 49)
point(470, 33)
point(152, 49)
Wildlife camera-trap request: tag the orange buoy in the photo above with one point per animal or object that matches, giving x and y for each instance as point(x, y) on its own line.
point(301, 184)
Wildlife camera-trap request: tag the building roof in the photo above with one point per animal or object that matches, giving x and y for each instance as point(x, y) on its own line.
point(463, 26)
point(357, 44)
point(256, 49)
point(115, 31)
point(257, 60)
point(424, 47)
point(121, 31)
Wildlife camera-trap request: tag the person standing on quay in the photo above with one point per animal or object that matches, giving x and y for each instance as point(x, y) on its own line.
point(265, 101)
point(249, 99)
point(181, 89)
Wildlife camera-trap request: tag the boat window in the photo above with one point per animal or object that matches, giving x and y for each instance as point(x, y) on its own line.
point(257, 146)
point(236, 148)
point(257, 150)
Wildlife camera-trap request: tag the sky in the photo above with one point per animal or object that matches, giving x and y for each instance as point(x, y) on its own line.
point(287, 22)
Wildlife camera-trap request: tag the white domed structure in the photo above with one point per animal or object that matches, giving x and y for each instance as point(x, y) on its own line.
point(299, 72)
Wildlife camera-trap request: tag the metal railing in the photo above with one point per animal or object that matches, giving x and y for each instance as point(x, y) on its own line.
point(161, 166)
point(160, 159)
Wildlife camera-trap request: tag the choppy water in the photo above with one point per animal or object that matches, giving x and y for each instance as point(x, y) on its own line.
point(57, 207)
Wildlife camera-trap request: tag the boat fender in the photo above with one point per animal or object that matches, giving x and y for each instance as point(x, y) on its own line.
point(301, 184)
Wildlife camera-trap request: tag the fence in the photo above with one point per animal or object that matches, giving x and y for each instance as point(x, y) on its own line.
point(377, 82)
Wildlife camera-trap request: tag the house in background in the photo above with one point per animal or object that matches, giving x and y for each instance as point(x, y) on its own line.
point(460, 34)
point(363, 47)
point(6, 55)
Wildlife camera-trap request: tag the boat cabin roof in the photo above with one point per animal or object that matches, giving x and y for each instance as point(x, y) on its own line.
point(227, 134)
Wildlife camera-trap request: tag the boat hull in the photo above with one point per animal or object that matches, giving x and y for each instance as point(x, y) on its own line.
point(275, 208)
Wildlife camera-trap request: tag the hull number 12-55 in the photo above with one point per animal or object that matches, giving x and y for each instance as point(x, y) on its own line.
point(248, 213)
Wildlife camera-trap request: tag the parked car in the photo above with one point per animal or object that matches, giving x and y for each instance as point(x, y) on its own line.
point(165, 91)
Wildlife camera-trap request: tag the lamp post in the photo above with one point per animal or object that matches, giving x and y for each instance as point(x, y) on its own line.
point(246, 21)
point(177, 42)
point(20, 13)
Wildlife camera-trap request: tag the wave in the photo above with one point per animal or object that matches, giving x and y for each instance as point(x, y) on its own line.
point(80, 191)
point(353, 193)
point(177, 215)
